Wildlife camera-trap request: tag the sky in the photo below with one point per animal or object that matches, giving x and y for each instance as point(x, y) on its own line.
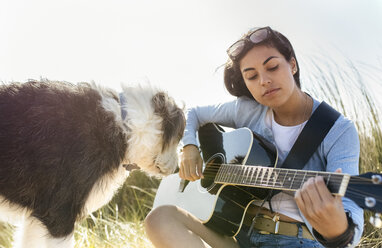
point(174, 44)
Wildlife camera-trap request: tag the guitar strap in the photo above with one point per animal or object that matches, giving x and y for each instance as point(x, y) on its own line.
point(311, 136)
point(306, 144)
point(309, 139)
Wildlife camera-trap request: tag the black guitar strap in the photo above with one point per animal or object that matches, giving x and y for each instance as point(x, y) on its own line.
point(311, 136)
point(306, 144)
point(309, 139)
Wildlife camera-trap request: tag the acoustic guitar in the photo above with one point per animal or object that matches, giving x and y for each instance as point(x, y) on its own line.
point(239, 168)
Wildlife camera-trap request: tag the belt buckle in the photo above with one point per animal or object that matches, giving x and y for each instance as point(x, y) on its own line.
point(276, 219)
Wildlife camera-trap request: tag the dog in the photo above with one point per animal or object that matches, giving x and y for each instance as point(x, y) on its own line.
point(64, 150)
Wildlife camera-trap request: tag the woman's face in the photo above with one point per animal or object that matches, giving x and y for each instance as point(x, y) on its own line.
point(268, 75)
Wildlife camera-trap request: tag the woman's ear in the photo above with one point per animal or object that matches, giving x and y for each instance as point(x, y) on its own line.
point(293, 65)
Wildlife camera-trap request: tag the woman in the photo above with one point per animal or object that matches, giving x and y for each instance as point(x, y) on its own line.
point(262, 71)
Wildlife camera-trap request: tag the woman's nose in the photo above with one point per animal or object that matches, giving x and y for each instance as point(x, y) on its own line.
point(264, 79)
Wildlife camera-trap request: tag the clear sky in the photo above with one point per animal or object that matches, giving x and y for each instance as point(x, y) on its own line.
point(175, 44)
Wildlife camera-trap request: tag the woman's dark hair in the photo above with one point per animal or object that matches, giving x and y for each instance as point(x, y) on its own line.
point(233, 79)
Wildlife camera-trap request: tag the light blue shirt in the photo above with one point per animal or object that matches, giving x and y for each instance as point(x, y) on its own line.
point(339, 149)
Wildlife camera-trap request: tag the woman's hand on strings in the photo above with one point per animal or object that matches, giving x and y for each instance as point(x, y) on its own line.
point(324, 211)
point(190, 163)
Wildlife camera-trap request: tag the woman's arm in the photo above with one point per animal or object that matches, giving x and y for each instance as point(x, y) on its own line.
point(191, 161)
point(223, 114)
point(326, 213)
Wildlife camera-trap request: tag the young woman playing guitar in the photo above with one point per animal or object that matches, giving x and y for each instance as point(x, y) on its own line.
point(263, 73)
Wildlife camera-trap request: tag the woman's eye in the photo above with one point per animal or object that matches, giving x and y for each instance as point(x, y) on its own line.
point(252, 77)
point(273, 68)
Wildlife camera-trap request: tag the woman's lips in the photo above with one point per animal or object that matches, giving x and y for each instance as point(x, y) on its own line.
point(270, 92)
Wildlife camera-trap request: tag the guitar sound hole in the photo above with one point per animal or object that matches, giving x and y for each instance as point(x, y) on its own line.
point(212, 167)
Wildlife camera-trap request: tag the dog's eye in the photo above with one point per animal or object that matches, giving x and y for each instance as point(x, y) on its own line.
point(155, 160)
point(160, 171)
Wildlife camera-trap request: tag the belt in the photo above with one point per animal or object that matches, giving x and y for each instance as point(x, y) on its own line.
point(266, 225)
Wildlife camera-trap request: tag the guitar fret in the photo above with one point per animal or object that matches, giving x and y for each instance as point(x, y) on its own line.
point(277, 178)
point(246, 174)
point(235, 178)
point(272, 175)
point(225, 173)
point(217, 174)
point(245, 171)
point(258, 170)
point(250, 175)
point(241, 174)
point(253, 169)
point(295, 172)
point(327, 180)
point(263, 175)
point(221, 172)
point(307, 175)
point(230, 173)
point(335, 184)
point(234, 175)
point(302, 181)
point(269, 174)
point(286, 174)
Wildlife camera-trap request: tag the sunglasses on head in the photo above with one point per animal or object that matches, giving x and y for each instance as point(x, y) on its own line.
point(257, 36)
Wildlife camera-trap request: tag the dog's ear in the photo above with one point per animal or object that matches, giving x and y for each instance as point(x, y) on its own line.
point(159, 103)
point(173, 120)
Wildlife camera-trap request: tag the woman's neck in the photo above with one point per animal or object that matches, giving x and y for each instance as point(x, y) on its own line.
point(295, 111)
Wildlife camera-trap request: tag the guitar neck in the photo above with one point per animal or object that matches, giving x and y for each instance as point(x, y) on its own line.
point(278, 178)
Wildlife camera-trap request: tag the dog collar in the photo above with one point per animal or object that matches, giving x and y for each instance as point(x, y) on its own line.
point(123, 103)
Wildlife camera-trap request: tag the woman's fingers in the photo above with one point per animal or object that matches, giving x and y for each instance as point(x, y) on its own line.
point(191, 163)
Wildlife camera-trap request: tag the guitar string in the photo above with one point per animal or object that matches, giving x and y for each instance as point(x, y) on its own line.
point(296, 180)
point(217, 166)
point(300, 178)
point(298, 174)
point(350, 190)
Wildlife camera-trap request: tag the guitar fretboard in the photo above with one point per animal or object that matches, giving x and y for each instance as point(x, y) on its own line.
point(278, 178)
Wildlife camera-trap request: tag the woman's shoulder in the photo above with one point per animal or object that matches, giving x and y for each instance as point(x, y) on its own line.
point(342, 122)
point(343, 130)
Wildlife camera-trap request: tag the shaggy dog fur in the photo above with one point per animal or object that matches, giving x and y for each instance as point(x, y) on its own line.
point(63, 148)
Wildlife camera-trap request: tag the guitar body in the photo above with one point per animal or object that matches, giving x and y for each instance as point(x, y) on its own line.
point(219, 206)
point(239, 167)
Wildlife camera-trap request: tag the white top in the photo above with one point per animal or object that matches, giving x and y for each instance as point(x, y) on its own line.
point(284, 136)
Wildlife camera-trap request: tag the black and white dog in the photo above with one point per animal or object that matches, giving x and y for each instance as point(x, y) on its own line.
point(64, 148)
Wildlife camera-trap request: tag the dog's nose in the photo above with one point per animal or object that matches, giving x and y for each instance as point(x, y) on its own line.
point(130, 167)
